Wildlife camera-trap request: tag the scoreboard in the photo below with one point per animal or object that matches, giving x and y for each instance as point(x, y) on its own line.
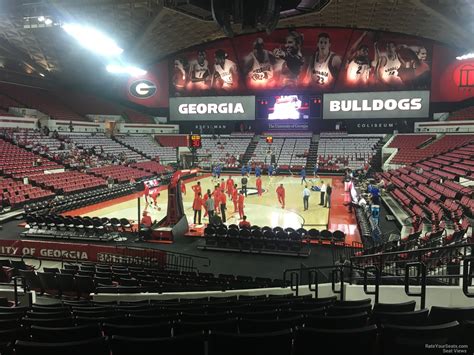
point(195, 141)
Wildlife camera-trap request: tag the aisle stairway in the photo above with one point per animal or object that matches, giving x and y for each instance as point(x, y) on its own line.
point(250, 150)
point(313, 153)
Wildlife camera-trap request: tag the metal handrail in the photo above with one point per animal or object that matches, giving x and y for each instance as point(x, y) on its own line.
point(416, 251)
point(312, 275)
point(467, 276)
point(377, 282)
point(422, 294)
point(15, 287)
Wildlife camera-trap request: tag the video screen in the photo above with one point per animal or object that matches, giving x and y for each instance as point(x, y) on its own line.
point(288, 107)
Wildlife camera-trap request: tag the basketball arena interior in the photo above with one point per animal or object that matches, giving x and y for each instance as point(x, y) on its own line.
point(236, 177)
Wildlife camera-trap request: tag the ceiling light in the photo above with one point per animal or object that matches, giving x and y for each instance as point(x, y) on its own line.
point(41, 19)
point(465, 56)
point(130, 70)
point(41, 74)
point(48, 22)
point(93, 40)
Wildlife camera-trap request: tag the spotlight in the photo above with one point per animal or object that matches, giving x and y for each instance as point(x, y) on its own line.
point(130, 70)
point(48, 22)
point(41, 19)
point(93, 40)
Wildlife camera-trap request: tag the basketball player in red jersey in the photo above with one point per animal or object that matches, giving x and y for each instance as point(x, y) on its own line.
point(324, 64)
point(258, 182)
point(229, 186)
point(235, 197)
point(146, 192)
point(196, 188)
point(241, 200)
point(281, 195)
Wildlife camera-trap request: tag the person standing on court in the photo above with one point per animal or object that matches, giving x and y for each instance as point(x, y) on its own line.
point(209, 205)
point(204, 199)
point(197, 206)
point(217, 198)
point(243, 171)
point(306, 194)
point(281, 195)
point(323, 193)
point(196, 188)
point(258, 182)
point(229, 186)
point(328, 196)
point(244, 181)
point(146, 192)
point(241, 204)
point(303, 175)
point(223, 201)
point(315, 170)
point(270, 170)
point(258, 171)
point(235, 197)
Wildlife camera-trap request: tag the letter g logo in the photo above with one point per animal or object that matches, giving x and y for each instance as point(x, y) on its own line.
point(142, 89)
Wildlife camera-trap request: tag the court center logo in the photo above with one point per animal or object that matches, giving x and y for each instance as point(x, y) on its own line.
point(143, 89)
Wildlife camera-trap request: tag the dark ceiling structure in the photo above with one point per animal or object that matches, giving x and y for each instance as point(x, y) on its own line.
point(152, 29)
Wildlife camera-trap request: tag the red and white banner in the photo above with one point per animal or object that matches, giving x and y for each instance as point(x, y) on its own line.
point(81, 252)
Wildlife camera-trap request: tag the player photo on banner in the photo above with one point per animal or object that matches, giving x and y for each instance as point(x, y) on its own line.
point(205, 69)
point(380, 61)
point(311, 60)
point(291, 59)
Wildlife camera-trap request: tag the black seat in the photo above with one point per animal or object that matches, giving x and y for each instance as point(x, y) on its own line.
point(339, 236)
point(95, 346)
point(363, 302)
point(49, 282)
point(313, 234)
point(339, 310)
point(154, 330)
point(177, 345)
point(325, 235)
point(439, 315)
point(125, 223)
point(269, 325)
point(115, 223)
point(229, 325)
point(342, 341)
point(275, 343)
point(62, 334)
point(397, 339)
point(357, 320)
point(395, 307)
point(401, 318)
point(302, 232)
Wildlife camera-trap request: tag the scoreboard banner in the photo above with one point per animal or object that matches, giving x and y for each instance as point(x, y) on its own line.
point(212, 108)
point(367, 105)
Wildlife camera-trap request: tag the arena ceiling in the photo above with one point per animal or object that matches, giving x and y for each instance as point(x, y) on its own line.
point(151, 29)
